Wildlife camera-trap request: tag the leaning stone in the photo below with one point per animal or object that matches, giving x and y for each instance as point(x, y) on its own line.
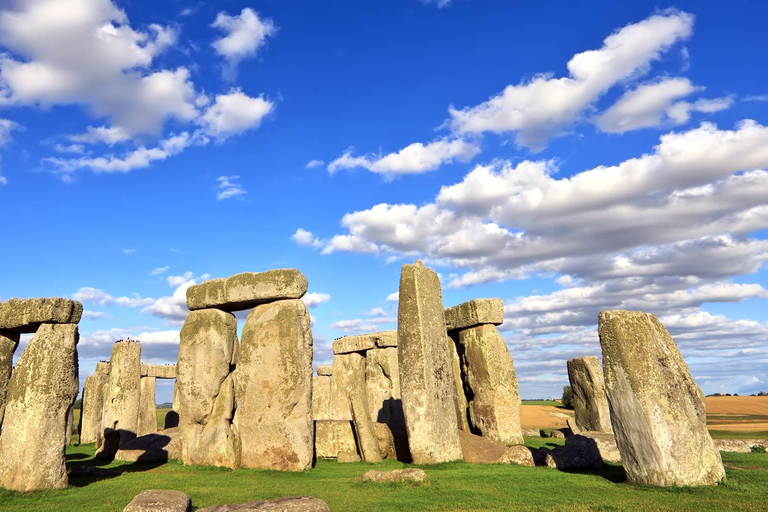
point(410, 475)
point(160, 371)
point(590, 402)
point(42, 389)
point(333, 437)
point(321, 398)
point(324, 371)
point(460, 397)
point(206, 389)
point(247, 290)
point(473, 313)
point(349, 344)
point(293, 504)
point(152, 447)
point(26, 315)
point(657, 411)
point(382, 381)
point(365, 433)
point(102, 367)
point(122, 397)
point(92, 407)
point(147, 407)
point(274, 388)
point(346, 457)
point(579, 452)
point(426, 375)
point(490, 375)
point(160, 501)
point(8, 343)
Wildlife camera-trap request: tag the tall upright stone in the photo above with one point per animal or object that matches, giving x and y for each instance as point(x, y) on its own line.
point(340, 409)
point(426, 373)
point(657, 410)
point(41, 392)
point(122, 395)
point(8, 343)
point(205, 389)
point(321, 398)
point(92, 407)
point(590, 403)
point(382, 380)
point(147, 406)
point(365, 431)
point(274, 388)
point(460, 397)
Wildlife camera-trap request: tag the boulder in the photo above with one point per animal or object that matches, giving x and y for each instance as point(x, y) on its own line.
point(324, 371)
point(409, 475)
point(739, 445)
point(606, 445)
point(26, 315)
point(479, 450)
point(293, 504)
point(657, 411)
point(590, 402)
point(147, 407)
point(494, 409)
point(205, 387)
point(247, 290)
point(156, 500)
point(347, 457)
point(41, 392)
point(274, 388)
point(557, 434)
point(333, 437)
point(473, 313)
point(8, 343)
point(152, 447)
point(122, 396)
point(365, 433)
point(92, 407)
point(426, 374)
point(321, 398)
point(382, 381)
point(579, 452)
point(518, 455)
point(460, 397)
point(531, 432)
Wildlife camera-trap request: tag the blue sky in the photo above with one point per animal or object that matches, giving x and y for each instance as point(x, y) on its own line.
point(566, 158)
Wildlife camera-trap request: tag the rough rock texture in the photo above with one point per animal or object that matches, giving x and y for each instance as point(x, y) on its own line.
point(206, 389)
point(274, 388)
point(518, 455)
point(292, 504)
point(152, 447)
point(349, 344)
point(147, 407)
point(739, 445)
point(386, 440)
point(382, 380)
point(333, 437)
point(590, 402)
point(479, 450)
point(460, 396)
point(8, 343)
point(122, 395)
point(156, 500)
point(579, 452)
point(385, 339)
point(494, 408)
point(657, 410)
point(102, 367)
point(26, 315)
point(473, 313)
point(92, 408)
point(247, 290)
point(354, 367)
point(531, 432)
point(324, 371)
point(41, 392)
point(426, 374)
point(160, 371)
point(410, 475)
point(321, 398)
point(339, 384)
point(347, 457)
point(606, 445)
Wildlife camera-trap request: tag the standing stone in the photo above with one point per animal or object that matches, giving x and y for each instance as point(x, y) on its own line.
point(590, 404)
point(426, 373)
point(657, 410)
point(42, 390)
point(92, 407)
point(382, 380)
point(122, 395)
point(70, 423)
point(333, 437)
point(321, 398)
point(147, 407)
point(365, 432)
point(206, 389)
point(490, 374)
point(274, 388)
point(339, 384)
point(8, 343)
point(460, 397)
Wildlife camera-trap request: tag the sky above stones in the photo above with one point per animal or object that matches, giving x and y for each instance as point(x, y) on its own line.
point(567, 158)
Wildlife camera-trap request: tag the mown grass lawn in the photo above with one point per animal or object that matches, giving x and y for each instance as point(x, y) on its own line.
point(454, 486)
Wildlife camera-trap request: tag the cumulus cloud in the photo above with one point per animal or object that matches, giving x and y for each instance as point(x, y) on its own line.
point(305, 238)
point(245, 35)
point(313, 299)
point(109, 135)
point(362, 325)
point(88, 294)
point(228, 187)
point(234, 113)
point(6, 127)
point(172, 308)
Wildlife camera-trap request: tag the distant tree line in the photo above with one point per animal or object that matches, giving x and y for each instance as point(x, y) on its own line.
point(761, 393)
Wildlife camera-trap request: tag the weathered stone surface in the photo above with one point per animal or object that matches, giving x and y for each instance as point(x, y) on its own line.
point(739, 445)
point(382, 381)
point(339, 384)
point(293, 504)
point(70, 424)
point(347, 457)
point(409, 475)
point(490, 375)
point(590, 402)
point(160, 371)
point(517, 455)
point(92, 407)
point(274, 388)
point(460, 397)
point(147, 407)
point(152, 447)
point(8, 343)
point(156, 500)
point(657, 410)
point(122, 397)
point(206, 389)
point(349, 344)
point(354, 367)
point(247, 290)
point(531, 432)
point(333, 437)
point(606, 445)
point(26, 315)
point(321, 398)
point(324, 371)
point(579, 452)
point(102, 367)
point(385, 339)
point(473, 313)
point(479, 450)
point(41, 392)
point(386, 440)
point(426, 375)
point(557, 434)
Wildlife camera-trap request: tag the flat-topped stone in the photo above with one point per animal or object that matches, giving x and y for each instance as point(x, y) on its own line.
point(102, 367)
point(324, 371)
point(363, 342)
point(473, 313)
point(26, 315)
point(159, 371)
point(247, 290)
point(160, 500)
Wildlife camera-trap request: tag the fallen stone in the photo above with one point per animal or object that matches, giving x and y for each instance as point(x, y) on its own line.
point(426, 374)
point(274, 388)
point(152, 447)
point(409, 475)
point(324, 371)
point(531, 432)
point(333, 437)
point(92, 407)
point(102, 367)
point(517, 455)
point(8, 343)
point(590, 402)
point(474, 313)
point(606, 445)
point(347, 457)
point(382, 381)
point(122, 397)
point(26, 315)
point(479, 450)
point(247, 290)
point(41, 391)
point(557, 434)
point(739, 445)
point(159, 371)
point(460, 397)
point(156, 500)
point(321, 398)
point(293, 504)
point(147, 407)
point(579, 452)
point(657, 411)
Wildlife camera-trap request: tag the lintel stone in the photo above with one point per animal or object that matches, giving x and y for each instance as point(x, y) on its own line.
point(473, 313)
point(26, 315)
point(324, 371)
point(363, 342)
point(247, 290)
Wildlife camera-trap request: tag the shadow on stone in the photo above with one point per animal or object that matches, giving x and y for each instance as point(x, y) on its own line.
point(171, 419)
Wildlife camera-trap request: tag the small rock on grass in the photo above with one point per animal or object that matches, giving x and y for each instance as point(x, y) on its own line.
point(292, 504)
point(160, 500)
point(411, 475)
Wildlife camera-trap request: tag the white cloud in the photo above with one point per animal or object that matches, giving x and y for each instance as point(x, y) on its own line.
point(77, 149)
point(314, 163)
point(172, 308)
point(160, 270)
point(93, 315)
point(439, 3)
point(89, 294)
point(379, 311)
point(305, 238)
point(109, 135)
point(6, 127)
point(539, 109)
point(175, 281)
point(129, 251)
point(234, 113)
point(228, 187)
point(315, 299)
point(245, 35)
point(393, 297)
point(756, 97)
point(362, 325)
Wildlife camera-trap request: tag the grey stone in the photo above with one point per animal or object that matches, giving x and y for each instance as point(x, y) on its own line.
point(26, 315)
point(657, 411)
point(409, 475)
point(473, 313)
point(156, 500)
point(147, 407)
point(122, 397)
point(426, 374)
point(159, 371)
point(292, 504)
point(339, 384)
point(247, 290)
point(92, 407)
point(274, 388)
point(382, 381)
point(460, 397)
point(333, 437)
point(8, 343)
point(321, 398)
point(517, 455)
point(365, 433)
point(41, 392)
point(579, 452)
point(324, 371)
point(349, 344)
point(590, 402)
point(347, 457)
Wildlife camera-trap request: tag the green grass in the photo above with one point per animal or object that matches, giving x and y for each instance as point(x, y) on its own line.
point(454, 486)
